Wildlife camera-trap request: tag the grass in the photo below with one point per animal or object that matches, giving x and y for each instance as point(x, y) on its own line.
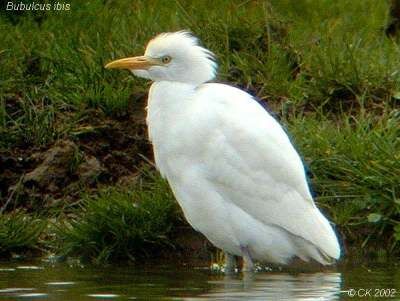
point(326, 67)
point(121, 223)
point(20, 232)
point(355, 166)
point(342, 50)
point(313, 52)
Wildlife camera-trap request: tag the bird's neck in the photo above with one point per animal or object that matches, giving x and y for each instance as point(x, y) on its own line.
point(169, 96)
point(168, 102)
point(169, 105)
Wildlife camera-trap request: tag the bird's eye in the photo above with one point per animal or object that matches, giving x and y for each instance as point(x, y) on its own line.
point(166, 59)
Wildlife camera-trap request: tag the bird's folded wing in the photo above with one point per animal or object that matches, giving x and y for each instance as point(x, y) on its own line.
point(252, 163)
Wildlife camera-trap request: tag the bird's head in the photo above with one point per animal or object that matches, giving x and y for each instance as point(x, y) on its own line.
point(172, 56)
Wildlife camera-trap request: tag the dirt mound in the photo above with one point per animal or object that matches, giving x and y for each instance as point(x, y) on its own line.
point(54, 166)
point(99, 150)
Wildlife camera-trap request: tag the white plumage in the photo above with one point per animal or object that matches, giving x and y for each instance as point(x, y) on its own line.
point(231, 166)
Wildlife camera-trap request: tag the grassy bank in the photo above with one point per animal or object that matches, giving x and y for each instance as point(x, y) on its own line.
point(121, 223)
point(72, 135)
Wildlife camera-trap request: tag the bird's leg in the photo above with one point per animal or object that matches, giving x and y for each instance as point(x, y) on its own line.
point(230, 263)
point(248, 265)
point(248, 280)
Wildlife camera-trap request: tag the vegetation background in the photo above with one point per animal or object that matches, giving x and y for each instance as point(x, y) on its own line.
point(76, 171)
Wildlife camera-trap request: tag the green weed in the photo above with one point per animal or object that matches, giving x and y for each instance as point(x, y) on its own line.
point(121, 223)
point(318, 53)
point(355, 166)
point(20, 232)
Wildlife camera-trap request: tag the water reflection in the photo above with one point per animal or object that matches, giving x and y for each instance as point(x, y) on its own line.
point(62, 282)
point(316, 286)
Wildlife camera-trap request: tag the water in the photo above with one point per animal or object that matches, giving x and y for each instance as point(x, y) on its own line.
point(44, 281)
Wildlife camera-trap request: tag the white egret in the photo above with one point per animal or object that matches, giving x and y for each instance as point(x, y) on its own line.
point(230, 165)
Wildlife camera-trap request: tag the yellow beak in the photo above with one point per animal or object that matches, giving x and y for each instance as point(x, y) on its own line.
point(131, 63)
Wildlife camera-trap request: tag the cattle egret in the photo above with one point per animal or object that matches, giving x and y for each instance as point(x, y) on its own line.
point(229, 163)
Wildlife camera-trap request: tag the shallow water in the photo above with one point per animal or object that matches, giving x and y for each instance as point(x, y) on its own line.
point(43, 281)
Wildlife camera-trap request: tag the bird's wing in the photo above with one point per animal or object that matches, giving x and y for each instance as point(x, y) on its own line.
point(252, 163)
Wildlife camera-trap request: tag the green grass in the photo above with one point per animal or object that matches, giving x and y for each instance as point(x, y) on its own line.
point(121, 223)
point(342, 50)
point(318, 53)
point(326, 66)
point(355, 165)
point(20, 232)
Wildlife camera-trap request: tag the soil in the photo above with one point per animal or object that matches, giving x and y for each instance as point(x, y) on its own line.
point(99, 150)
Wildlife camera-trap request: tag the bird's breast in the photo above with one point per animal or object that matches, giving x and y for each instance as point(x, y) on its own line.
point(172, 125)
